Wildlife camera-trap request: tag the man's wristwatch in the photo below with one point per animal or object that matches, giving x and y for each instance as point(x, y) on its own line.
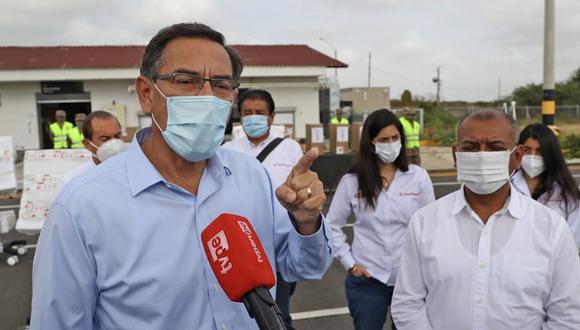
point(351, 268)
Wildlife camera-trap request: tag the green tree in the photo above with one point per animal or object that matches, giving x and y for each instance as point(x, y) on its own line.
point(567, 92)
point(530, 94)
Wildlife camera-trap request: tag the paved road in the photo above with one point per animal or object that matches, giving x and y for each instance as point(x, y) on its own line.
point(316, 304)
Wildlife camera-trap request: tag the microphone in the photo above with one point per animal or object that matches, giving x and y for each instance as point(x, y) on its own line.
point(241, 267)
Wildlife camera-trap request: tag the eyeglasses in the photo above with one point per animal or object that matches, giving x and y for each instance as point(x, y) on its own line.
point(191, 84)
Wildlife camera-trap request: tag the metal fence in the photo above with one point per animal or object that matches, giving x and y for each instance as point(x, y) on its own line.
point(525, 112)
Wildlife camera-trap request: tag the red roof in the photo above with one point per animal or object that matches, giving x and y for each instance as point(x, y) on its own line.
point(108, 57)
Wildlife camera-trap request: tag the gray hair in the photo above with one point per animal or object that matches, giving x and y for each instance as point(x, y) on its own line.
point(489, 114)
point(152, 57)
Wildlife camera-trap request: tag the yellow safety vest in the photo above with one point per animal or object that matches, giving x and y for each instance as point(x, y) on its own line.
point(343, 121)
point(59, 135)
point(76, 137)
point(412, 132)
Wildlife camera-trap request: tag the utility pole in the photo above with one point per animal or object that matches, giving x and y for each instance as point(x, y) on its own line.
point(369, 76)
point(498, 90)
point(437, 80)
point(335, 68)
point(335, 55)
point(549, 92)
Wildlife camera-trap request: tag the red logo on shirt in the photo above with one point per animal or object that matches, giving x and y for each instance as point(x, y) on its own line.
point(281, 165)
point(402, 193)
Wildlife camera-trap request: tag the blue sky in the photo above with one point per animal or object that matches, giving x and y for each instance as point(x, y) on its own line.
point(475, 42)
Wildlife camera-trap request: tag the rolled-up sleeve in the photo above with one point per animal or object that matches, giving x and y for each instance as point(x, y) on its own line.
point(300, 257)
point(408, 306)
point(63, 276)
point(337, 216)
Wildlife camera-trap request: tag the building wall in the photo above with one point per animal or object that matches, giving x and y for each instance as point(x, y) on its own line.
point(18, 99)
point(104, 92)
point(305, 100)
point(366, 99)
point(18, 105)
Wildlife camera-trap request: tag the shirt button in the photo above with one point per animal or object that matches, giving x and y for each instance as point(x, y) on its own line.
point(479, 301)
point(482, 266)
point(224, 327)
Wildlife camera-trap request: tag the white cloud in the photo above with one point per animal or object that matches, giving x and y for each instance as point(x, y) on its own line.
point(474, 42)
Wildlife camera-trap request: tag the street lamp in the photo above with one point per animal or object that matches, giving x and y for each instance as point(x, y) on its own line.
point(335, 55)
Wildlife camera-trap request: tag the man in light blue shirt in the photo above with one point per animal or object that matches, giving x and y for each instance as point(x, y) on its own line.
point(121, 248)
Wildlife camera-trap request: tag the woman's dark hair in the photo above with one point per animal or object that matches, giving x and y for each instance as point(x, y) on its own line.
point(556, 171)
point(366, 166)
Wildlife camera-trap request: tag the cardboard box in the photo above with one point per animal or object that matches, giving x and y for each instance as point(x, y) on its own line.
point(315, 137)
point(355, 133)
point(339, 139)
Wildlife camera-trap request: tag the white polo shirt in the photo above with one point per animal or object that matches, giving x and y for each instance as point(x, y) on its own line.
point(520, 270)
point(378, 233)
point(279, 162)
point(555, 203)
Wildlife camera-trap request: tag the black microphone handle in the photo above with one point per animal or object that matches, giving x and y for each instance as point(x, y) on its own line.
point(262, 307)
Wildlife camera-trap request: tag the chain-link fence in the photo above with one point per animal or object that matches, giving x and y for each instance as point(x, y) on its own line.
point(525, 113)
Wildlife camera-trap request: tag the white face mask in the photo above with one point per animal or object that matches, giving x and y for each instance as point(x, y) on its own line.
point(483, 172)
point(533, 165)
point(109, 149)
point(388, 152)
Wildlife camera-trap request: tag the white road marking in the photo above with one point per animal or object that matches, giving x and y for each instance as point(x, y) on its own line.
point(319, 313)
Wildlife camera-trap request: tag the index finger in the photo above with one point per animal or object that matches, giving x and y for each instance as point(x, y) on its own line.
point(305, 162)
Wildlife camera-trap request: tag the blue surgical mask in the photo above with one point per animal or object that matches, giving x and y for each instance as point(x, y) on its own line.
point(195, 125)
point(255, 126)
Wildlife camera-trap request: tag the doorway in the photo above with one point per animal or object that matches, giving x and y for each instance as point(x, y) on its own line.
point(47, 106)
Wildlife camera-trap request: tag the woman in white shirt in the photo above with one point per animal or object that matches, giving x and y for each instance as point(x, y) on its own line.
point(382, 191)
point(545, 177)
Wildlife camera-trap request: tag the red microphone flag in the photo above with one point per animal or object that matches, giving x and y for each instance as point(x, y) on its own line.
point(236, 256)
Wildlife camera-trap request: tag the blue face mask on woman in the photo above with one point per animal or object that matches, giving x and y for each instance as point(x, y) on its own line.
point(255, 126)
point(195, 125)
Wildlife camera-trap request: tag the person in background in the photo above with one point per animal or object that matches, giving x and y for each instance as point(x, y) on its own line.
point(75, 134)
point(339, 119)
point(121, 247)
point(486, 256)
point(59, 130)
point(382, 191)
point(102, 137)
point(412, 130)
point(278, 156)
point(545, 177)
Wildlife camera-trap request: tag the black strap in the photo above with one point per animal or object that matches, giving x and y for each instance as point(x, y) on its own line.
point(271, 146)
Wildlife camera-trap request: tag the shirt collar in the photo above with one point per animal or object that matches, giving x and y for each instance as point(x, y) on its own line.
point(142, 174)
point(263, 143)
point(514, 207)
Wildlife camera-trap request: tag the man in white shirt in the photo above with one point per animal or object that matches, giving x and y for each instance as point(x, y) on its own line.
point(278, 156)
point(102, 134)
point(483, 257)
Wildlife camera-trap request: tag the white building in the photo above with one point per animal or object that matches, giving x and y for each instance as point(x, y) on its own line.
point(36, 81)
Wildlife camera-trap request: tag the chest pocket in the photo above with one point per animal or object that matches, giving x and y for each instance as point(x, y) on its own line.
point(524, 278)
